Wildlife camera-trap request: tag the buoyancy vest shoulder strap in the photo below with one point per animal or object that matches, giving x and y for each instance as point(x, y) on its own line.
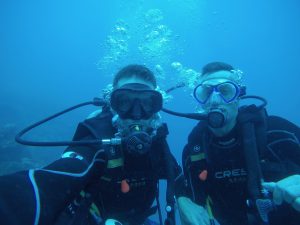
point(257, 117)
point(197, 145)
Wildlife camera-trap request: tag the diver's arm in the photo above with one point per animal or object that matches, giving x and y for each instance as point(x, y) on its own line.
point(284, 143)
point(39, 196)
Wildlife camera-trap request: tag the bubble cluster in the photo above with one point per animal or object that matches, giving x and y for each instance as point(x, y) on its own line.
point(106, 92)
point(159, 72)
point(166, 96)
point(116, 45)
point(177, 66)
point(157, 42)
point(153, 16)
point(187, 75)
point(147, 40)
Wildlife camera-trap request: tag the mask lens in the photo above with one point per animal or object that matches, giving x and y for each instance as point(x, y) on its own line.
point(148, 104)
point(228, 91)
point(202, 93)
point(123, 101)
point(151, 102)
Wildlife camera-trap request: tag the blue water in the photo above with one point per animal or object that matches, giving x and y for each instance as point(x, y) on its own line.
point(50, 53)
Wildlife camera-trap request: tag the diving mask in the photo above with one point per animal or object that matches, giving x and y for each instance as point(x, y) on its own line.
point(136, 101)
point(228, 91)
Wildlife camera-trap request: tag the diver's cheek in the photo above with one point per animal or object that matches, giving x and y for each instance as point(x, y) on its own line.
point(231, 110)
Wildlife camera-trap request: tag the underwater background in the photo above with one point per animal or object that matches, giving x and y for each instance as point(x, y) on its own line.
point(55, 54)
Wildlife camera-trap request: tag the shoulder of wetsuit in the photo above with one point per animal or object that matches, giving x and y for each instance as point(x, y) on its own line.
point(195, 140)
point(158, 144)
point(162, 131)
point(197, 132)
point(96, 127)
point(283, 134)
point(283, 143)
point(99, 126)
point(279, 123)
point(158, 140)
point(251, 113)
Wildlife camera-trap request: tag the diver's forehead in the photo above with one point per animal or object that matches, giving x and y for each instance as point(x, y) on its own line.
point(219, 77)
point(134, 79)
point(215, 81)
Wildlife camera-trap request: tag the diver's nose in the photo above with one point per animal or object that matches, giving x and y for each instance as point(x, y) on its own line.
point(136, 111)
point(215, 99)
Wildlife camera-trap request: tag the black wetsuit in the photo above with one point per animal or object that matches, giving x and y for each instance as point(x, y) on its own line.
point(83, 187)
point(226, 180)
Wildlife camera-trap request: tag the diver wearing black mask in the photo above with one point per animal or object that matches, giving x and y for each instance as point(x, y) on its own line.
point(136, 106)
point(114, 178)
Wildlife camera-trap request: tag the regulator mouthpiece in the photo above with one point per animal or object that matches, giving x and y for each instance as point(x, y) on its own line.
point(216, 118)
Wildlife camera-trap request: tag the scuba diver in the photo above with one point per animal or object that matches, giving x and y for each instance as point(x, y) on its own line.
point(241, 166)
point(109, 173)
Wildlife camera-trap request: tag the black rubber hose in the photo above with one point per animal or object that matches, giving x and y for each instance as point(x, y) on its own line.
point(19, 139)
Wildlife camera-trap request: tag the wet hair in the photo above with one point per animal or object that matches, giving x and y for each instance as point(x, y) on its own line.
point(138, 71)
point(215, 67)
